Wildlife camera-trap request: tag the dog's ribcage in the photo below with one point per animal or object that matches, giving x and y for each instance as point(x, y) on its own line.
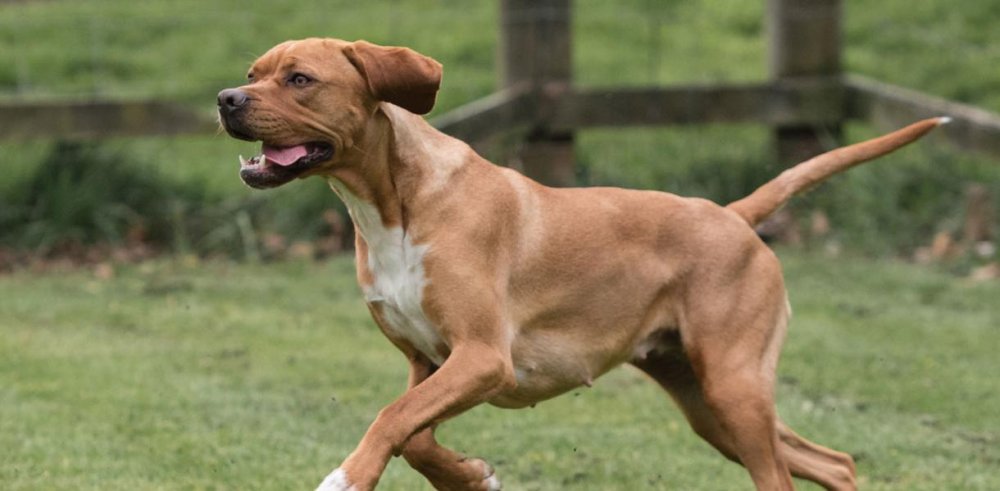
point(398, 280)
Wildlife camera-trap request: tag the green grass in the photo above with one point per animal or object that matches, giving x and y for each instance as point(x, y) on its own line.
point(187, 50)
point(187, 375)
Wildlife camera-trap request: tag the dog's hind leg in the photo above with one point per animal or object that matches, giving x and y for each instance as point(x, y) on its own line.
point(446, 469)
point(673, 373)
point(721, 369)
point(742, 403)
point(721, 372)
point(738, 423)
point(831, 469)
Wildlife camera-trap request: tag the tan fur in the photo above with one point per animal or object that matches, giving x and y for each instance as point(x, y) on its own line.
point(535, 291)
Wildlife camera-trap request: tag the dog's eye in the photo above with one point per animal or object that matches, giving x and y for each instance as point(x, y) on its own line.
point(250, 77)
point(299, 80)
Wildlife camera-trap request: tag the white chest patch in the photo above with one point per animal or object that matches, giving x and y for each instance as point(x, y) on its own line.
point(397, 269)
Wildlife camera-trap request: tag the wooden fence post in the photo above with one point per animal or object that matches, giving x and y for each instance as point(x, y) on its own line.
point(804, 38)
point(536, 49)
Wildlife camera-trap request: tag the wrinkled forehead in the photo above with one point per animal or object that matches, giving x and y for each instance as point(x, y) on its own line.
point(299, 54)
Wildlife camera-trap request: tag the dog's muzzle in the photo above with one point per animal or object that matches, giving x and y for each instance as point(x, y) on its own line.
point(276, 164)
point(232, 105)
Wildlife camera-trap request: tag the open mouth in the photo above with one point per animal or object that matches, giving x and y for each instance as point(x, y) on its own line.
point(276, 165)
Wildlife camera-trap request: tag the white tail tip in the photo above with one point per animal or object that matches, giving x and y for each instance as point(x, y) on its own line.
point(944, 120)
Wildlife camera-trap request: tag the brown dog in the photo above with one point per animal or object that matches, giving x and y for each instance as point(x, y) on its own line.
point(500, 290)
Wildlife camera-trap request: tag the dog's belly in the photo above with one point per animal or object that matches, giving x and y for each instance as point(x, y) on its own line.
point(536, 383)
point(583, 330)
point(550, 364)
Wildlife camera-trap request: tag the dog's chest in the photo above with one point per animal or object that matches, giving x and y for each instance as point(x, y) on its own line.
point(395, 267)
point(396, 292)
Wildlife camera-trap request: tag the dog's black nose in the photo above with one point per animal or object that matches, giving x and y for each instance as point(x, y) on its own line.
point(232, 99)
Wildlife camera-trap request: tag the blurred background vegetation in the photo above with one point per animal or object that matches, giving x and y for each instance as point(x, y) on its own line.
point(182, 194)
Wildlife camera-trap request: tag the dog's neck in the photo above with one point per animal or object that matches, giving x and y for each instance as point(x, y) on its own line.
point(398, 162)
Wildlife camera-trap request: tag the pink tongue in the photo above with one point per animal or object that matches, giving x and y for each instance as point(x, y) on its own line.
point(284, 156)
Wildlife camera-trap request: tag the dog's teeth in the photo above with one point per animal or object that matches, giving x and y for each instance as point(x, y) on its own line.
point(243, 162)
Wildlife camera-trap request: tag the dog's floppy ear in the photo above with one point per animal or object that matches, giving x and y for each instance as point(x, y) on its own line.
point(398, 75)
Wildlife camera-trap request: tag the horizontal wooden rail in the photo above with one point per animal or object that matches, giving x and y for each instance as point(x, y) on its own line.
point(891, 106)
point(479, 119)
point(98, 119)
point(802, 102)
point(496, 113)
point(807, 102)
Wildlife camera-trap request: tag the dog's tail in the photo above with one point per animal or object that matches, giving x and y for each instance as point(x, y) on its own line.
point(766, 199)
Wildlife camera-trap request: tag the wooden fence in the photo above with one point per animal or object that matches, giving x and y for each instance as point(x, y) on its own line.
point(806, 100)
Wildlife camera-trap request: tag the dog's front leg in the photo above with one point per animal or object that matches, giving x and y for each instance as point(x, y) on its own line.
point(446, 469)
point(473, 373)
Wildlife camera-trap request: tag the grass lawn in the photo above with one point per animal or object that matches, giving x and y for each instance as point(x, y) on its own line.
point(184, 375)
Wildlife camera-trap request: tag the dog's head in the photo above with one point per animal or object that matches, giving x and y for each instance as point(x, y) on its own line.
point(308, 101)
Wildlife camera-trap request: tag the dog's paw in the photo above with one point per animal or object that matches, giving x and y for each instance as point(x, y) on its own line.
point(483, 478)
point(465, 474)
point(490, 480)
point(493, 483)
point(337, 481)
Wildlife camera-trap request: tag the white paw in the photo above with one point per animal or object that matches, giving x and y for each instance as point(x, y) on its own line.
point(337, 481)
point(493, 483)
point(490, 477)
